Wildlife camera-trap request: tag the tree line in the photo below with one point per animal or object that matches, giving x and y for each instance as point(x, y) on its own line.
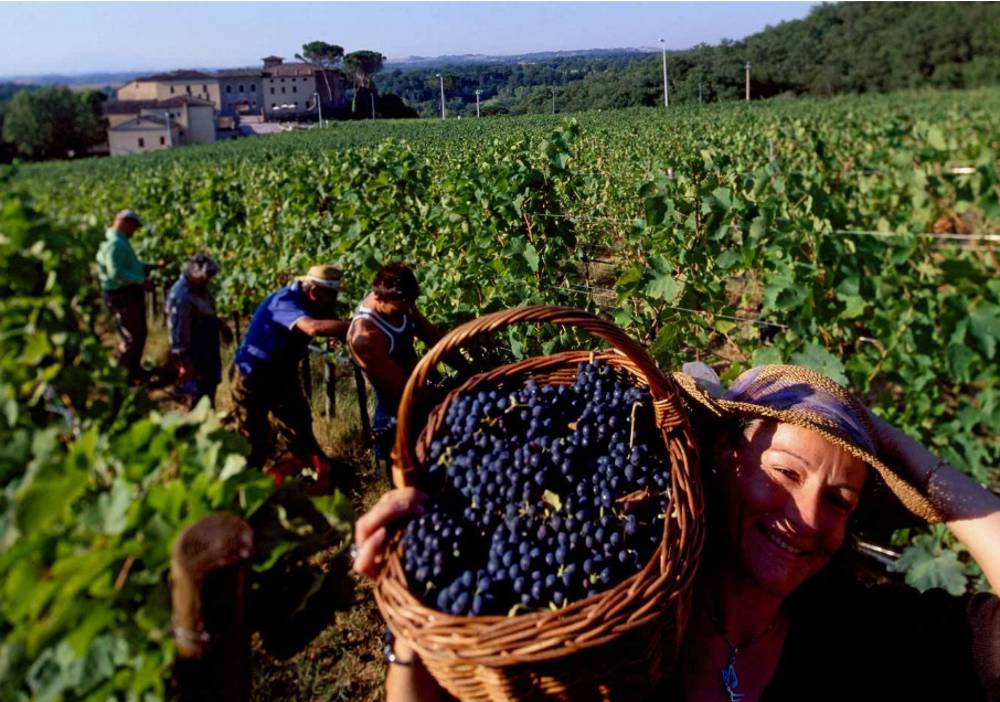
point(49, 122)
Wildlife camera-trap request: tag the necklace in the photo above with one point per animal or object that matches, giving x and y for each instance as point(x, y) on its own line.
point(730, 680)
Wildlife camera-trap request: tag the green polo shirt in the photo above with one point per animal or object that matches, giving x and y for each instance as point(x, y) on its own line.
point(117, 264)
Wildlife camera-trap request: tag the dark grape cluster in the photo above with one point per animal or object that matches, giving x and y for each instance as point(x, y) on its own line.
point(543, 494)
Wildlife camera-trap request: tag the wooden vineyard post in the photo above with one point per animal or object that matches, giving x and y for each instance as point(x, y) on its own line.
point(166, 296)
point(366, 425)
point(208, 577)
point(330, 380)
point(307, 380)
point(151, 304)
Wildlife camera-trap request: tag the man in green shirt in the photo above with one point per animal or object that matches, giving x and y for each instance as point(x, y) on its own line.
point(123, 281)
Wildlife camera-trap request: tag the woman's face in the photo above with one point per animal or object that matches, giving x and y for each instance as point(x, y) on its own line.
point(788, 494)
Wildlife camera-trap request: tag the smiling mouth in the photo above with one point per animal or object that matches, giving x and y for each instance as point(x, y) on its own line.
point(781, 543)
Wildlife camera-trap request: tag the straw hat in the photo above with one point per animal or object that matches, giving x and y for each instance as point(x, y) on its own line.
point(323, 275)
point(803, 397)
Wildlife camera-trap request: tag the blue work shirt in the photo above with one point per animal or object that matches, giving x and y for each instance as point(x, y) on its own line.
point(272, 342)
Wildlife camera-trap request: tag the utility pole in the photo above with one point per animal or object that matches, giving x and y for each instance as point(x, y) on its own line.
point(477, 103)
point(319, 108)
point(748, 81)
point(666, 84)
point(441, 81)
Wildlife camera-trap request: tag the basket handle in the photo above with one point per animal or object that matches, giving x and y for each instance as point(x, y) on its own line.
point(404, 461)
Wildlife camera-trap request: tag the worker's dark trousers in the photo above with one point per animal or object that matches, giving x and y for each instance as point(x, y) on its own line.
point(273, 414)
point(128, 308)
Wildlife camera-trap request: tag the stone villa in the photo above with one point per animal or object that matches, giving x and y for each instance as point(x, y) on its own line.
point(186, 107)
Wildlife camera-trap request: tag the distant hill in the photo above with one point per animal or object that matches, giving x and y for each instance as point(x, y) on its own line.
point(90, 79)
point(75, 79)
point(415, 62)
point(410, 62)
point(7, 90)
point(503, 80)
point(850, 47)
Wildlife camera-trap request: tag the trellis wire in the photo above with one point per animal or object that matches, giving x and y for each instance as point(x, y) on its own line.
point(953, 236)
point(592, 289)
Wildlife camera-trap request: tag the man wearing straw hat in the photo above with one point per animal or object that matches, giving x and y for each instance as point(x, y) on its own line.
point(123, 282)
point(268, 397)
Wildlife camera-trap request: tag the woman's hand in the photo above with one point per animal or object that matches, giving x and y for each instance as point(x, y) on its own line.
point(914, 461)
point(371, 529)
point(972, 512)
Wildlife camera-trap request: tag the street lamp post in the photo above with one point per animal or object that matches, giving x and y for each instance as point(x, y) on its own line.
point(441, 82)
point(477, 102)
point(666, 84)
point(319, 108)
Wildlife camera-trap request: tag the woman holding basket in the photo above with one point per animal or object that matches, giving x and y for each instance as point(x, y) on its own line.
point(791, 461)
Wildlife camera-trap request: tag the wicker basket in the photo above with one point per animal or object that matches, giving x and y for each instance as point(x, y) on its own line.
point(616, 645)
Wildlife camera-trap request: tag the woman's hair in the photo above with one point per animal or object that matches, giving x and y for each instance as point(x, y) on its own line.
point(395, 282)
point(201, 266)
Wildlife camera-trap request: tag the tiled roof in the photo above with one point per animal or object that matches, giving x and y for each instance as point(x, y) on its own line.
point(133, 107)
point(139, 123)
point(239, 73)
point(185, 100)
point(174, 75)
point(127, 107)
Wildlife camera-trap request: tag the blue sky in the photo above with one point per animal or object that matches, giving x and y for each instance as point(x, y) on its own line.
point(58, 37)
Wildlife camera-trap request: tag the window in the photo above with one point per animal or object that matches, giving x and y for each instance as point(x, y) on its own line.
point(189, 90)
point(295, 89)
point(253, 87)
point(204, 89)
point(171, 90)
point(272, 91)
point(163, 141)
point(229, 88)
point(282, 90)
point(142, 143)
point(282, 80)
point(241, 88)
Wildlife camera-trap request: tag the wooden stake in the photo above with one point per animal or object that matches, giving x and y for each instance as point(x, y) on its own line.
point(366, 425)
point(330, 378)
point(208, 575)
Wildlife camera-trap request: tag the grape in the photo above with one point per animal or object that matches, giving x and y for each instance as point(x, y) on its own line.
point(528, 485)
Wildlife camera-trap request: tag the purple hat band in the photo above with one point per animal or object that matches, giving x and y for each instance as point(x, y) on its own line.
point(785, 394)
